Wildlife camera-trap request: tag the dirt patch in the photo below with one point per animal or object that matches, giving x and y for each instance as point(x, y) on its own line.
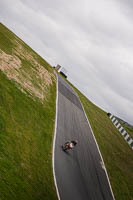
point(44, 75)
point(35, 81)
point(8, 62)
point(9, 65)
point(41, 72)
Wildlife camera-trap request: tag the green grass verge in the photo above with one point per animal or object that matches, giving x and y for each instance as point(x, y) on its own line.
point(6, 43)
point(117, 154)
point(26, 129)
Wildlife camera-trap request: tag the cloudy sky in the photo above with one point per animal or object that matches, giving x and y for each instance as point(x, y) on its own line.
point(93, 40)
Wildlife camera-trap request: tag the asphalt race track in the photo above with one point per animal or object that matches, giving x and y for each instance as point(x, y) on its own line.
point(79, 172)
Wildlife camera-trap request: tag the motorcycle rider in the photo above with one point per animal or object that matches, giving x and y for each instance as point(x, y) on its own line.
point(70, 144)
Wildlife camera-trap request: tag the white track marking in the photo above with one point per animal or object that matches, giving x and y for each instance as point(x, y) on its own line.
point(54, 140)
point(102, 162)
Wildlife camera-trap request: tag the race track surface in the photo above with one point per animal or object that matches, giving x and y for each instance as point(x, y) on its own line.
point(79, 173)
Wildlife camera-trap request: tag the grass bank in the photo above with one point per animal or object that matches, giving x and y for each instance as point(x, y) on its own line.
point(27, 115)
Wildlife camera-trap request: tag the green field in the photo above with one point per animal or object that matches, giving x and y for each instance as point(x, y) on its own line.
point(27, 115)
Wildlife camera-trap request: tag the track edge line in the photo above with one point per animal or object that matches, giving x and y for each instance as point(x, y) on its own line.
point(54, 140)
point(98, 150)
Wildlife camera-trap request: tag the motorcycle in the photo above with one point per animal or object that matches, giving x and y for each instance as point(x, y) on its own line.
point(66, 147)
point(69, 145)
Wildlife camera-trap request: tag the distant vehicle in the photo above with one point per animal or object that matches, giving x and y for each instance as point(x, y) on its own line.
point(63, 74)
point(63, 71)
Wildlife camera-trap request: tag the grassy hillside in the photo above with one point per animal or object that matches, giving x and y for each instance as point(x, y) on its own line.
point(27, 114)
point(117, 154)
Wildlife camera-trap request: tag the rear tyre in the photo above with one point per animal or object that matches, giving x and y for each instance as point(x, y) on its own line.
point(64, 148)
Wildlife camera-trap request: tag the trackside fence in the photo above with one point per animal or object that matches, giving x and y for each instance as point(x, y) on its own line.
point(123, 132)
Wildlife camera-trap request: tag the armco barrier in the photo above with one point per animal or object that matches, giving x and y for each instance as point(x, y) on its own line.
point(123, 132)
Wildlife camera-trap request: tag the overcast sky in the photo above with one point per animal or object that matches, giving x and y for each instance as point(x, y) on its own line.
point(93, 40)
